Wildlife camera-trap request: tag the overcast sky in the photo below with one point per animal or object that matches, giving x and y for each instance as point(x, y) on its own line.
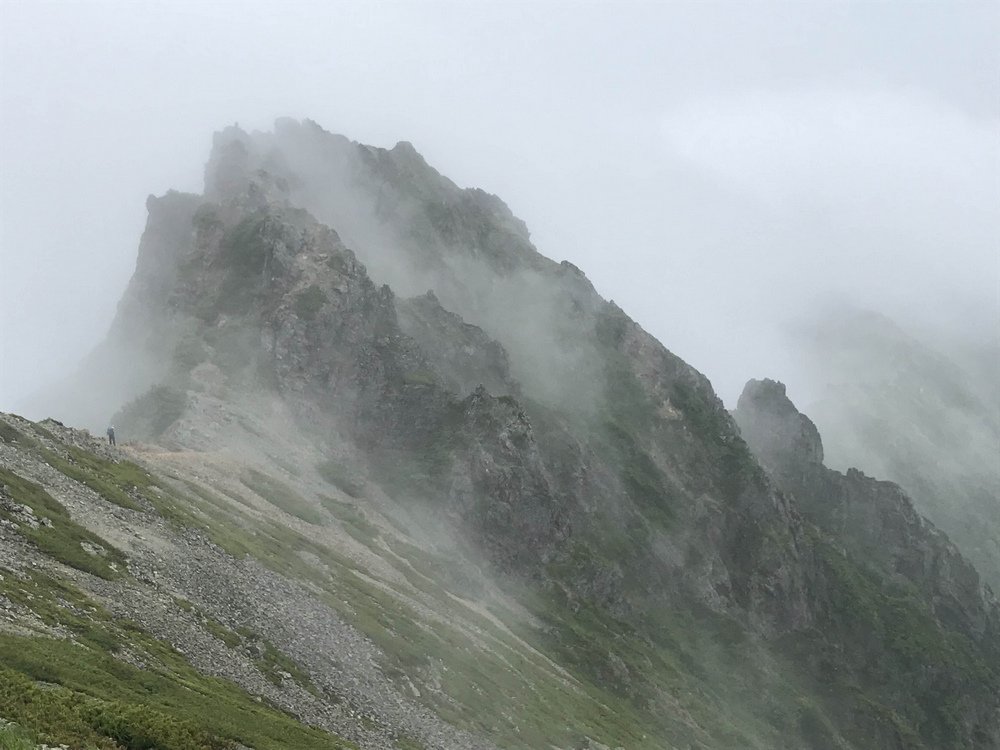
point(716, 169)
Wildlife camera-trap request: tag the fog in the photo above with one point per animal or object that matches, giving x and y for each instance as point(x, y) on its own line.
point(721, 171)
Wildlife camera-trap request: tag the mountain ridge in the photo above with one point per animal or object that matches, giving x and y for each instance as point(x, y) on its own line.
point(510, 433)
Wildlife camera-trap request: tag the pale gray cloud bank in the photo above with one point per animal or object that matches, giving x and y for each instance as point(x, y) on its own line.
point(717, 169)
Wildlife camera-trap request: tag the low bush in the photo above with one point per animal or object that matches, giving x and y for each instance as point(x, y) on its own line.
point(281, 495)
point(152, 413)
point(341, 477)
point(309, 302)
point(13, 737)
point(64, 539)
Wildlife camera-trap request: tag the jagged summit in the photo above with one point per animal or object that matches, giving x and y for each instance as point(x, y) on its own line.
point(875, 519)
point(774, 427)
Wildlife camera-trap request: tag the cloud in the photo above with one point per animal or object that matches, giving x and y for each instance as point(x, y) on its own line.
point(713, 168)
point(888, 199)
point(910, 147)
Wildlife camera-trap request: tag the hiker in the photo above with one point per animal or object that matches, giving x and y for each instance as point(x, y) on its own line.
point(111, 435)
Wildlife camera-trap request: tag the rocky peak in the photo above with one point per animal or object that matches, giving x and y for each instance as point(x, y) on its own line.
point(874, 520)
point(237, 171)
point(229, 163)
point(778, 433)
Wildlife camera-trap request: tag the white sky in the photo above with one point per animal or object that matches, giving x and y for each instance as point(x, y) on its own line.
point(718, 169)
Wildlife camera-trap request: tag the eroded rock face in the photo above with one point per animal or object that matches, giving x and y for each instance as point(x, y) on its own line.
point(501, 487)
point(925, 577)
point(874, 519)
point(777, 432)
point(462, 354)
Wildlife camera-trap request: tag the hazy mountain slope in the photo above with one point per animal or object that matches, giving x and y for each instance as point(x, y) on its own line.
point(254, 593)
point(84, 606)
point(934, 603)
point(275, 591)
point(500, 513)
point(926, 418)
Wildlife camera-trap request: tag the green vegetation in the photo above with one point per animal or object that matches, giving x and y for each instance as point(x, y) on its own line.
point(189, 352)
point(281, 495)
point(405, 742)
point(627, 416)
point(341, 477)
point(493, 683)
point(899, 618)
point(64, 539)
point(220, 631)
point(92, 699)
point(123, 483)
point(15, 738)
point(446, 576)
point(353, 520)
point(643, 481)
point(107, 703)
point(148, 416)
point(479, 684)
point(419, 377)
point(12, 435)
point(273, 664)
point(60, 605)
point(815, 727)
point(728, 459)
point(245, 251)
point(231, 494)
point(245, 247)
point(617, 681)
point(115, 482)
point(71, 718)
point(308, 303)
point(625, 400)
point(727, 685)
point(906, 660)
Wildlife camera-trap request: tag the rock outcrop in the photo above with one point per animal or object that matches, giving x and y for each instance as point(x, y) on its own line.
point(874, 523)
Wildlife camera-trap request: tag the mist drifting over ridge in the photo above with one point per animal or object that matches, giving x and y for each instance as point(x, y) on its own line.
point(725, 170)
point(597, 476)
point(414, 440)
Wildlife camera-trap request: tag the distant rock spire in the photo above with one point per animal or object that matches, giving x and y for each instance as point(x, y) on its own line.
point(770, 423)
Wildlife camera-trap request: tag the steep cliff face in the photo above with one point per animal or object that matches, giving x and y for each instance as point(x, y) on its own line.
point(931, 588)
point(272, 298)
point(462, 354)
point(923, 414)
point(356, 341)
point(656, 438)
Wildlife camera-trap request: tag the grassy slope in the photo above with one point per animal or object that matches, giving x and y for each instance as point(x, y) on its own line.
point(491, 681)
point(697, 683)
point(102, 701)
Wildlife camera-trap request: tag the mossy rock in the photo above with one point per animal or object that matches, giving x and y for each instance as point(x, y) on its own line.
point(308, 303)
